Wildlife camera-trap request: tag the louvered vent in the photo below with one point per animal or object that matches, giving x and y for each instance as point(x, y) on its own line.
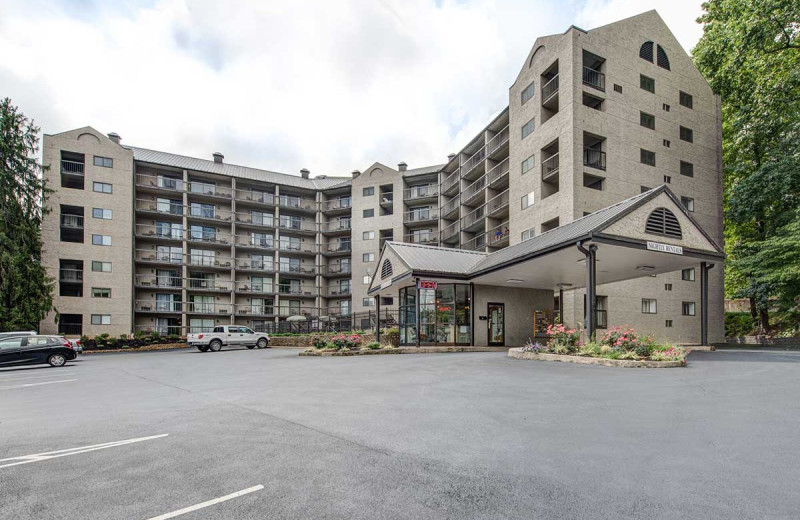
point(663, 222)
point(661, 56)
point(386, 269)
point(646, 51)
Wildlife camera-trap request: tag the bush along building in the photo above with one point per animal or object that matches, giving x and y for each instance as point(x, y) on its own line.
point(618, 116)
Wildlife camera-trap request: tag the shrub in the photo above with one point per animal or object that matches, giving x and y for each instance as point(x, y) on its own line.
point(668, 353)
point(738, 324)
point(535, 347)
point(319, 341)
point(643, 349)
point(374, 345)
point(392, 336)
point(591, 349)
point(563, 337)
point(347, 341)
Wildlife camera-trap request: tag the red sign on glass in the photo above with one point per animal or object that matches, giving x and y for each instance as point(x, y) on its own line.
point(426, 284)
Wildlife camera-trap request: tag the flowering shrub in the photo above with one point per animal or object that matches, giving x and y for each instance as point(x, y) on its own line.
point(346, 341)
point(563, 338)
point(668, 353)
point(535, 347)
point(319, 341)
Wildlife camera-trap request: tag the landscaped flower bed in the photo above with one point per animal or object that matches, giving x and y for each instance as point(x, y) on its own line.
point(344, 343)
point(618, 344)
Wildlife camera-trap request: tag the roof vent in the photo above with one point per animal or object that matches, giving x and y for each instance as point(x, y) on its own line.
point(304, 173)
point(451, 156)
point(356, 173)
point(114, 137)
point(217, 157)
point(402, 166)
point(663, 222)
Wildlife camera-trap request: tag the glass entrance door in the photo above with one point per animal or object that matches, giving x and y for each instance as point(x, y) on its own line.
point(497, 324)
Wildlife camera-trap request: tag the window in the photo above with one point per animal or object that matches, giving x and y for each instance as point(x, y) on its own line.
point(8, 344)
point(101, 240)
point(528, 234)
point(366, 279)
point(387, 300)
point(668, 323)
point(202, 210)
point(367, 302)
point(101, 267)
point(667, 286)
point(105, 162)
point(527, 129)
point(647, 157)
point(661, 57)
point(386, 269)
point(101, 187)
point(646, 83)
point(101, 319)
point(687, 275)
point(648, 306)
point(368, 257)
point(665, 107)
point(101, 213)
point(527, 200)
point(646, 51)
point(617, 88)
point(368, 235)
point(647, 120)
point(366, 192)
point(528, 93)
point(527, 164)
point(98, 292)
point(688, 308)
point(687, 134)
point(687, 169)
point(688, 203)
point(663, 222)
point(667, 143)
point(685, 99)
point(369, 213)
point(667, 179)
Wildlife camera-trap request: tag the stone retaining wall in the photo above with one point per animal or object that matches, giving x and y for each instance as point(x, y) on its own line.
point(305, 341)
point(625, 363)
point(764, 341)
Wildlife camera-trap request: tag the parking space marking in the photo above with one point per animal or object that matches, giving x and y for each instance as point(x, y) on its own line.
point(208, 503)
point(36, 384)
point(39, 457)
point(3, 379)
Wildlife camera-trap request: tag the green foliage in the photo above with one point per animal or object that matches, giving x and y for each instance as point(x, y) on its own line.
point(26, 292)
point(750, 54)
point(392, 336)
point(374, 345)
point(319, 341)
point(738, 324)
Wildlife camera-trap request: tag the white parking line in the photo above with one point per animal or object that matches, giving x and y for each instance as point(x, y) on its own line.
point(60, 373)
point(206, 504)
point(36, 384)
point(39, 457)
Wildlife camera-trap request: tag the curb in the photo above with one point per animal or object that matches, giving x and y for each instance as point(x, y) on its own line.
point(517, 353)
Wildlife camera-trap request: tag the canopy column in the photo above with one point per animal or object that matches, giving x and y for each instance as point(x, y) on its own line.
point(591, 288)
point(704, 269)
point(378, 318)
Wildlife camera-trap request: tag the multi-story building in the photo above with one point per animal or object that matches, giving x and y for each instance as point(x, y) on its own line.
point(147, 240)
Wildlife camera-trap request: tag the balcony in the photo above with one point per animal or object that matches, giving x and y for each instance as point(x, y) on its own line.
point(450, 210)
point(473, 162)
point(298, 226)
point(337, 226)
point(296, 248)
point(296, 269)
point(299, 203)
point(498, 140)
point(207, 189)
point(417, 193)
point(71, 167)
point(498, 235)
point(159, 182)
point(153, 256)
point(256, 197)
point(70, 275)
point(255, 219)
point(474, 220)
point(476, 244)
point(449, 234)
point(209, 308)
point(149, 281)
point(336, 205)
point(594, 78)
point(550, 167)
point(209, 238)
point(255, 309)
point(285, 312)
point(498, 206)
point(420, 216)
point(210, 214)
point(594, 158)
point(336, 269)
point(337, 249)
point(171, 208)
point(156, 232)
point(71, 221)
point(471, 192)
point(549, 91)
point(336, 291)
point(451, 182)
point(429, 239)
point(498, 175)
point(211, 262)
point(255, 288)
point(158, 306)
point(255, 242)
point(254, 264)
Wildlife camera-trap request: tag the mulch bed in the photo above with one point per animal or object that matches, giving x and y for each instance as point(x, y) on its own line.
point(143, 348)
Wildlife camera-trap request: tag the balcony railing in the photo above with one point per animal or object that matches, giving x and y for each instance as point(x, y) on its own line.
point(449, 231)
point(550, 166)
point(72, 221)
point(337, 225)
point(296, 269)
point(475, 244)
point(476, 159)
point(420, 192)
point(164, 282)
point(303, 311)
point(497, 172)
point(70, 275)
point(497, 140)
point(212, 190)
point(339, 248)
point(156, 231)
point(594, 158)
point(254, 309)
point(550, 89)
point(336, 290)
point(474, 188)
point(223, 262)
point(159, 181)
point(257, 219)
point(213, 213)
point(387, 198)
point(158, 306)
point(473, 217)
point(290, 201)
point(166, 208)
point(256, 264)
point(498, 235)
point(209, 238)
point(420, 216)
point(421, 238)
point(296, 225)
point(259, 242)
point(209, 308)
point(594, 78)
point(497, 203)
point(337, 269)
point(255, 288)
point(450, 207)
point(161, 257)
point(451, 180)
point(336, 204)
point(71, 167)
point(251, 196)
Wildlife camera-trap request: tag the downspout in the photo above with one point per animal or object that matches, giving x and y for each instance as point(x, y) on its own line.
point(591, 296)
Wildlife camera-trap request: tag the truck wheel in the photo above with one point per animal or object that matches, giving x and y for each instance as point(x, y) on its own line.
point(262, 343)
point(215, 345)
point(202, 348)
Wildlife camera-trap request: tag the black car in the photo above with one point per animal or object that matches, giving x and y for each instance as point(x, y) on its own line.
point(31, 350)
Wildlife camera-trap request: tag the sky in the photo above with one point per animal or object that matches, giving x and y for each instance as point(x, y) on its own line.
point(328, 85)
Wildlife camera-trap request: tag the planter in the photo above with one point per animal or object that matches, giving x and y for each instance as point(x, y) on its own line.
point(565, 358)
point(402, 350)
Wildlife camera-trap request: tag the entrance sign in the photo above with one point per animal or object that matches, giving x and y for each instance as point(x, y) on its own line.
point(386, 284)
point(664, 248)
point(427, 284)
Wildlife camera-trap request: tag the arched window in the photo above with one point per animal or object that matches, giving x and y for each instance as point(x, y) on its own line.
point(646, 51)
point(386, 269)
point(661, 57)
point(663, 222)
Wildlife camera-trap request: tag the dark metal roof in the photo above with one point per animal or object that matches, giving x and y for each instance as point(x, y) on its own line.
point(436, 259)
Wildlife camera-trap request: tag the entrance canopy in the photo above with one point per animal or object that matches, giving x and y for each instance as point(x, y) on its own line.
point(648, 234)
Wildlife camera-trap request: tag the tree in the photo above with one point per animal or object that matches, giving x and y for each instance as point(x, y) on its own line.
point(750, 54)
point(25, 289)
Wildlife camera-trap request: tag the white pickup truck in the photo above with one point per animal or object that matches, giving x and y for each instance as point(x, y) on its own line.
point(228, 335)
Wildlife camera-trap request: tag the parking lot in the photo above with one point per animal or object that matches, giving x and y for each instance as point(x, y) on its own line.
point(268, 434)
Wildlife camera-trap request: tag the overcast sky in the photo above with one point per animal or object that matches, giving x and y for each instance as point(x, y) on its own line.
point(329, 85)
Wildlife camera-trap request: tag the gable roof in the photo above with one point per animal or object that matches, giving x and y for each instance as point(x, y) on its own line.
point(433, 259)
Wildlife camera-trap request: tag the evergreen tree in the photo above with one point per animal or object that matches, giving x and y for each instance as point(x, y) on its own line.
point(25, 289)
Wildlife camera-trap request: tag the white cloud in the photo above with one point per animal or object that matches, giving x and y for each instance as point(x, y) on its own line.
point(327, 85)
